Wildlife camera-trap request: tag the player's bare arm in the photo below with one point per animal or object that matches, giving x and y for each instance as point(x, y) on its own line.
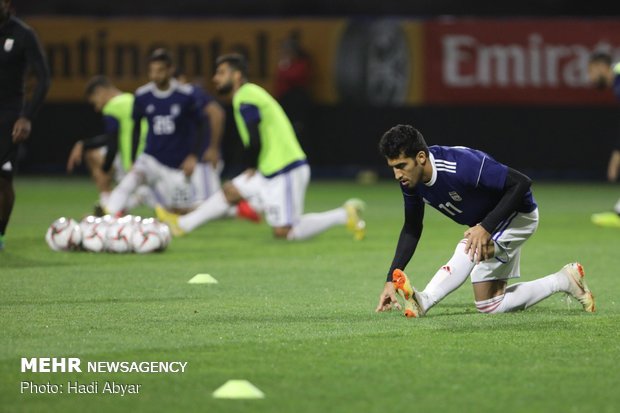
point(217, 117)
point(75, 157)
point(614, 166)
point(189, 164)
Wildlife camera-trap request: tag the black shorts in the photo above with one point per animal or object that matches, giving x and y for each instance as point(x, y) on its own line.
point(8, 150)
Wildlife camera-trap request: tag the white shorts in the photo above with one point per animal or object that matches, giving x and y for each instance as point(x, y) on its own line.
point(171, 188)
point(508, 238)
point(280, 197)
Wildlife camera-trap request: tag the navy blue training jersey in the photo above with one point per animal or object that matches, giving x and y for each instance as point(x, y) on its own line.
point(465, 186)
point(173, 116)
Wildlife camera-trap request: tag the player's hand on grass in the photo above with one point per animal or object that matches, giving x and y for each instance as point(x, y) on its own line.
point(478, 246)
point(387, 299)
point(75, 157)
point(212, 156)
point(189, 164)
point(21, 129)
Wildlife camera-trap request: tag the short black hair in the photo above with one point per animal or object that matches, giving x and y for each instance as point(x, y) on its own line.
point(179, 72)
point(402, 139)
point(600, 57)
point(236, 61)
point(95, 82)
point(161, 55)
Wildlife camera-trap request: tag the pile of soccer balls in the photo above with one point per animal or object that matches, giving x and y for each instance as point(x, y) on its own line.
point(98, 234)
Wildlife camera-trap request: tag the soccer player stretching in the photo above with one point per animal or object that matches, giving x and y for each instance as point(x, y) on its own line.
point(494, 201)
point(170, 163)
point(277, 174)
point(605, 74)
point(110, 155)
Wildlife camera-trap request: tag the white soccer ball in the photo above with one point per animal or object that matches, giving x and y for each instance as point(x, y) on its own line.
point(64, 235)
point(119, 233)
point(93, 233)
point(148, 237)
point(166, 235)
point(86, 223)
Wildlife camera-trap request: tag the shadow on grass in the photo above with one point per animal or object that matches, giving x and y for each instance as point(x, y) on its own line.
point(11, 260)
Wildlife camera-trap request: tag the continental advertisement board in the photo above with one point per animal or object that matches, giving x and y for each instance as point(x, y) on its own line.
point(382, 62)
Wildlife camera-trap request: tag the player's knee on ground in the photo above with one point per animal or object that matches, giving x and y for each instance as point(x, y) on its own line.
point(231, 193)
point(281, 232)
point(489, 306)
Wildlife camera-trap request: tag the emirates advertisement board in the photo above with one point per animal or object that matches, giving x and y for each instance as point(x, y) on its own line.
point(533, 62)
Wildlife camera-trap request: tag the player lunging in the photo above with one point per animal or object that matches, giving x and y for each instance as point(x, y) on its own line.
point(170, 163)
point(109, 156)
point(278, 172)
point(494, 201)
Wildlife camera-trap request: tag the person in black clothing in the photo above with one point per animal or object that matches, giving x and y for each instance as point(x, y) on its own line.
point(19, 50)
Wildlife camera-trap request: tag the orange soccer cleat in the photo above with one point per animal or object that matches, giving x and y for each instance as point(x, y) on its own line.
point(404, 288)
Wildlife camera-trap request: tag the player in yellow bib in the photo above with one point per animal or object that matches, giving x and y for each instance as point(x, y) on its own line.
point(277, 173)
point(603, 74)
point(109, 156)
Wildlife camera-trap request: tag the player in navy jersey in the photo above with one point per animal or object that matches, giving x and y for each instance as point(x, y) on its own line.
point(175, 142)
point(604, 74)
point(494, 201)
point(214, 128)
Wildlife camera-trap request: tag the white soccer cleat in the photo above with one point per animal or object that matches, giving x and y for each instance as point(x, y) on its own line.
point(355, 223)
point(578, 287)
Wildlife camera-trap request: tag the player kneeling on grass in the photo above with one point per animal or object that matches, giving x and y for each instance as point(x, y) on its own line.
point(172, 164)
point(278, 172)
point(495, 201)
point(109, 156)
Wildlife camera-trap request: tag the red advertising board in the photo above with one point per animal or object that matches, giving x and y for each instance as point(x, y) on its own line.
point(524, 61)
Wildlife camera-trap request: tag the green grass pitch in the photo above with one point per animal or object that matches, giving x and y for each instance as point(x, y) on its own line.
point(297, 319)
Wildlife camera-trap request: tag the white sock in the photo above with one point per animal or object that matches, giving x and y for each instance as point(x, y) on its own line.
point(523, 295)
point(447, 279)
point(232, 212)
point(141, 196)
point(122, 191)
point(214, 207)
point(617, 207)
point(311, 224)
point(104, 197)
